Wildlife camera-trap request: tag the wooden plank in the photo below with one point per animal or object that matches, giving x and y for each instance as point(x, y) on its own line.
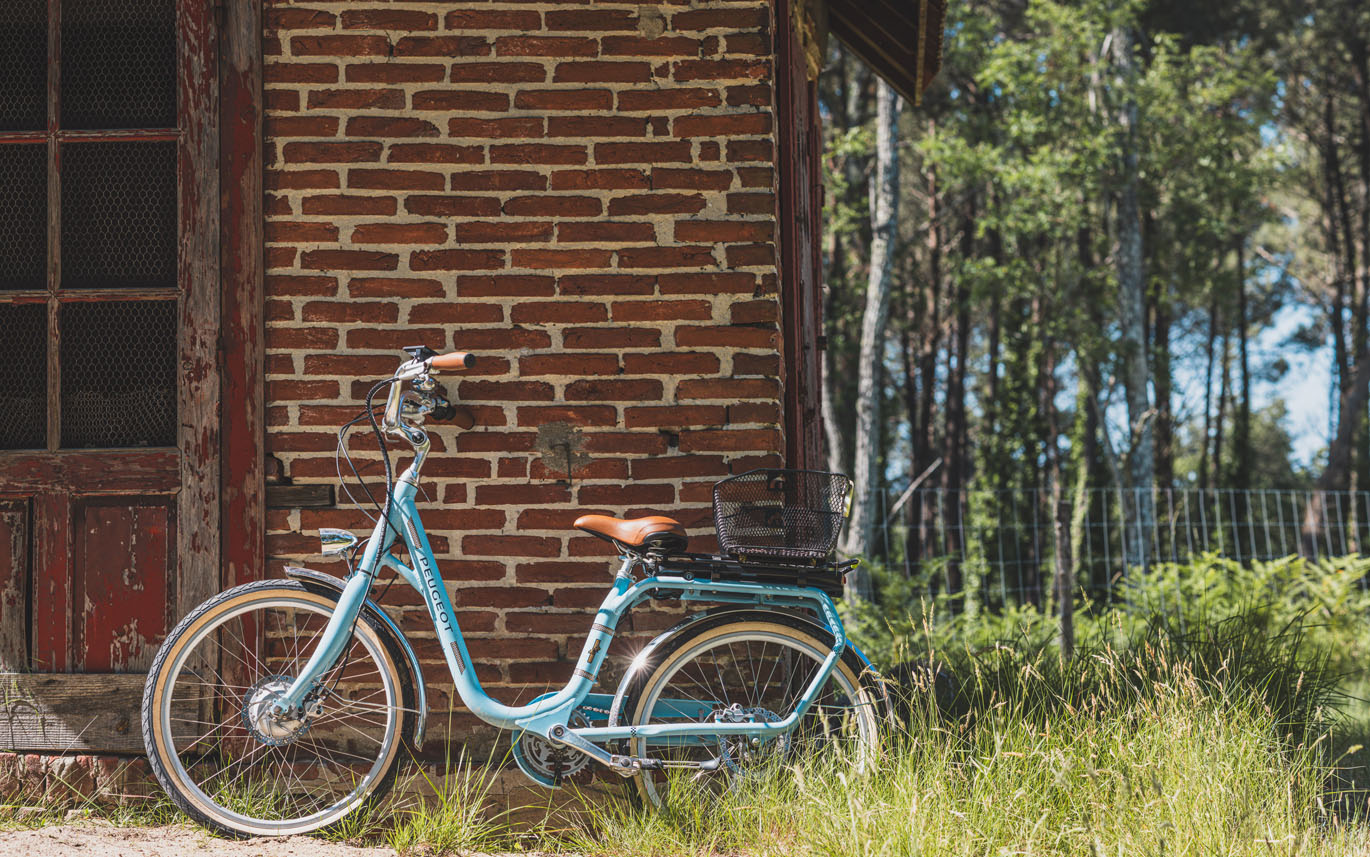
point(14, 584)
point(197, 526)
point(51, 645)
point(122, 562)
point(63, 713)
point(153, 471)
point(54, 376)
point(241, 253)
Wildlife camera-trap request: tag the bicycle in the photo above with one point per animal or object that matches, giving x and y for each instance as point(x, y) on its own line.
point(280, 706)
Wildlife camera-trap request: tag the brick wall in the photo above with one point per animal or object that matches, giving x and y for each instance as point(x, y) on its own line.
point(582, 194)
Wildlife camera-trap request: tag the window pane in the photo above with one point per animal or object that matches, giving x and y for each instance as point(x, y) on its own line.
point(23, 216)
point(118, 64)
point(23, 376)
point(23, 65)
point(119, 374)
point(118, 215)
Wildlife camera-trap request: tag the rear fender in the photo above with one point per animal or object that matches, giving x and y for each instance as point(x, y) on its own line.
point(644, 657)
point(333, 586)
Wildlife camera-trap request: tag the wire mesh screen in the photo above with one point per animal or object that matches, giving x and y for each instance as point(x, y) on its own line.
point(23, 216)
point(118, 64)
point(119, 374)
point(119, 215)
point(23, 65)
point(23, 375)
point(781, 514)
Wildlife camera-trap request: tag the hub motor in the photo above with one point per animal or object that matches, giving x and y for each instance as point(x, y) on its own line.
point(262, 723)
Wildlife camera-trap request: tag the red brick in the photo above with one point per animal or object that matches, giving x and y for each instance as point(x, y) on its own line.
point(279, 231)
point(289, 285)
point(498, 72)
point(506, 391)
point(756, 176)
point(553, 206)
point(557, 572)
point(498, 180)
point(749, 255)
point(280, 257)
point(304, 338)
point(460, 312)
point(467, 19)
point(278, 18)
point(340, 46)
point(390, 126)
point(301, 179)
point(727, 336)
point(561, 364)
point(300, 390)
point(581, 415)
point(527, 258)
point(722, 70)
point(300, 72)
point(511, 126)
point(596, 126)
point(396, 72)
point(724, 231)
point(666, 46)
point(758, 43)
point(707, 283)
point(356, 99)
point(388, 19)
point(661, 310)
point(344, 204)
point(666, 257)
point(396, 180)
point(564, 99)
point(729, 440)
point(735, 124)
point(613, 179)
point(753, 412)
point(606, 284)
point(679, 363)
point(500, 231)
point(622, 496)
point(755, 312)
point(456, 260)
point(610, 337)
point(462, 100)
point(442, 46)
point(400, 233)
point(394, 287)
point(434, 153)
point(602, 72)
point(331, 153)
point(666, 178)
point(545, 46)
point(756, 364)
point(751, 203)
point(756, 18)
point(657, 203)
point(740, 151)
point(503, 339)
point(605, 231)
point(674, 416)
point(557, 312)
point(676, 466)
point(537, 153)
point(300, 126)
point(613, 390)
point(505, 285)
point(521, 495)
point(626, 443)
point(755, 95)
point(452, 206)
point(503, 546)
point(281, 100)
point(373, 312)
point(349, 260)
point(727, 388)
point(668, 99)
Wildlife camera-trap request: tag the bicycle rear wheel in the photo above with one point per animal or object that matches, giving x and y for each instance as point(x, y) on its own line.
point(226, 759)
point(752, 667)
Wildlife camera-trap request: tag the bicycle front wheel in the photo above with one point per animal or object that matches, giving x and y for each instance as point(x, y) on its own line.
point(234, 765)
point(752, 667)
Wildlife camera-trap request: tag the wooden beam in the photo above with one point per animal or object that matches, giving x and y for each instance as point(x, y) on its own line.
point(93, 713)
point(154, 471)
point(281, 496)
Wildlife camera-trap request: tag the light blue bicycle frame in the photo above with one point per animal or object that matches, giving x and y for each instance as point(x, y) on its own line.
point(547, 713)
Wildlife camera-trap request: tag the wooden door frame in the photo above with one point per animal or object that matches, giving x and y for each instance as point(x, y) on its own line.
point(220, 507)
point(801, 359)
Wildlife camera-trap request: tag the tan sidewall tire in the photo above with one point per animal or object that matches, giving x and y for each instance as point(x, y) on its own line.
point(162, 756)
point(873, 709)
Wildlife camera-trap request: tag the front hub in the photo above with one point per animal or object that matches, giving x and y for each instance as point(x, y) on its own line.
point(259, 715)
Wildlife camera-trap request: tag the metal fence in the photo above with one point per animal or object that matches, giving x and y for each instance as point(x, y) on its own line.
point(1003, 543)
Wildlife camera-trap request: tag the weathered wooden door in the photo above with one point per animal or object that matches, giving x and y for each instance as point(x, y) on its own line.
point(109, 317)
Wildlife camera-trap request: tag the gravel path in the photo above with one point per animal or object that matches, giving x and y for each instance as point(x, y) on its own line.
point(94, 839)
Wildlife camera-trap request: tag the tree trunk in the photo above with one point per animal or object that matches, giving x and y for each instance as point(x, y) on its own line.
point(1241, 429)
point(1208, 396)
point(1165, 422)
point(884, 219)
point(1140, 472)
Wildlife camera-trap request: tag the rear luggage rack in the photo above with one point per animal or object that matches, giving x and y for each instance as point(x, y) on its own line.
point(713, 568)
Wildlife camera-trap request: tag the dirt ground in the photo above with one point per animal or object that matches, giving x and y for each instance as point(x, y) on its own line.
point(95, 839)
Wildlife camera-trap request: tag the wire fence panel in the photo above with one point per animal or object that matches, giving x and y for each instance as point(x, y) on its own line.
point(1001, 544)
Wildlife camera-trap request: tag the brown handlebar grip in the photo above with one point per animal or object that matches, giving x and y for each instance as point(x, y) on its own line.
point(453, 360)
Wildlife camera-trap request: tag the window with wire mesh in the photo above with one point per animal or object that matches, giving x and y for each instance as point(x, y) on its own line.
point(23, 375)
point(118, 64)
point(23, 65)
point(118, 368)
point(23, 216)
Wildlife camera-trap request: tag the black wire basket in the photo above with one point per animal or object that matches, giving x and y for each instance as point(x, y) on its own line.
point(793, 515)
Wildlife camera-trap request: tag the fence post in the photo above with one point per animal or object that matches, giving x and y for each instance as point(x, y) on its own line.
point(1065, 579)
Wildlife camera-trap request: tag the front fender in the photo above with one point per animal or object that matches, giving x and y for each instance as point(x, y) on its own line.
point(644, 657)
point(334, 585)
